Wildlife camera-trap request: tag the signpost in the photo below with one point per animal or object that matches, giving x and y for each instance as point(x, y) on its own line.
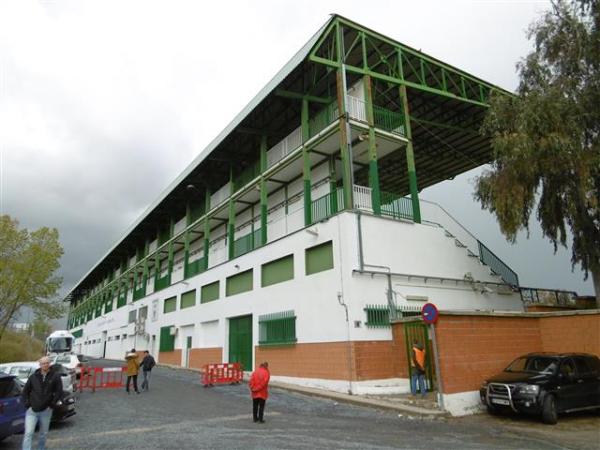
point(430, 315)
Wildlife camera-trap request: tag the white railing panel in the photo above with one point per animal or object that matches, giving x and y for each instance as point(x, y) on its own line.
point(356, 108)
point(179, 226)
point(362, 197)
point(283, 148)
point(220, 195)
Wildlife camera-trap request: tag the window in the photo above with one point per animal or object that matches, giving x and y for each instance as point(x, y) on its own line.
point(319, 258)
point(277, 328)
point(277, 271)
point(167, 340)
point(143, 312)
point(209, 292)
point(188, 299)
point(236, 284)
point(132, 316)
point(170, 305)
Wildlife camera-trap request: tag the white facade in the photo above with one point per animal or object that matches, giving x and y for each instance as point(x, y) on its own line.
point(425, 260)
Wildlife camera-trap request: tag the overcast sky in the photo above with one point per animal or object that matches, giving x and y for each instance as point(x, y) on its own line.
point(103, 104)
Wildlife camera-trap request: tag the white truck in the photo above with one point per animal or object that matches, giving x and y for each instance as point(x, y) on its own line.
point(59, 343)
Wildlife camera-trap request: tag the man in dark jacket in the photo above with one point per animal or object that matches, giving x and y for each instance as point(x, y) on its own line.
point(41, 393)
point(147, 364)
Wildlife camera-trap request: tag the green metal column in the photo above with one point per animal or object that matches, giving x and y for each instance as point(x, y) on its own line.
point(231, 221)
point(263, 191)
point(373, 170)
point(186, 240)
point(410, 158)
point(344, 138)
point(306, 164)
point(332, 185)
point(206, 227)
point(157, 258)
point(171, 255)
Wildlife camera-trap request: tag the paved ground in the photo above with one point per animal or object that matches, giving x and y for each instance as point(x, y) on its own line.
point(179, 414)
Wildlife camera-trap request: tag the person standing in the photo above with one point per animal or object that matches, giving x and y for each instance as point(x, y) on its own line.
point(41, 393)
point(147, 364)
point(259, 384)
point(133, 368)
point(417, 369)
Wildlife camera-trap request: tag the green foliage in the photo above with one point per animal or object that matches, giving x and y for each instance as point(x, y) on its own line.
point(546, 140)
point(28, 261)
point(20, 347)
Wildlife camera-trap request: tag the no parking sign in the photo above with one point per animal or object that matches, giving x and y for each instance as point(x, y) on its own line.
point(430, 313)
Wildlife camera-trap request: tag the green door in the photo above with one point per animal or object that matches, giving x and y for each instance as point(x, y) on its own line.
point(418, 331)
point(240, 341)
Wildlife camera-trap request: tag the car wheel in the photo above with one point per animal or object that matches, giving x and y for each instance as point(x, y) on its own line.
point(549, 413)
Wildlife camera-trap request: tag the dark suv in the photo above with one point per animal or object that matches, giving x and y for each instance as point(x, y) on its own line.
point(546, 384)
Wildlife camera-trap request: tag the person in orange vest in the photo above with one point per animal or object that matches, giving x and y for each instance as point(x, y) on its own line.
point(417, 369)
point(259, 384)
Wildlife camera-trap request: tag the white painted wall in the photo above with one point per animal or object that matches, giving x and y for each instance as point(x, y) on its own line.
point(405, 247)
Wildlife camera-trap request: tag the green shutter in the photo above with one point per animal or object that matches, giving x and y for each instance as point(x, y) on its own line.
point(319, 258)
point(167, 342)
point(209, 292)
point(236, 284)
point(277, 271)
point(77, 334)
point(170, 305)
point(188, 299)
point(277, 328)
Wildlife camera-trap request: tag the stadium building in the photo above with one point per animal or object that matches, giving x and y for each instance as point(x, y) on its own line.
point(298, 233)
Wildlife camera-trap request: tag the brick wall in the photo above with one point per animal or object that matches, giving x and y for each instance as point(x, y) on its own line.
point(473, 347)
point(368, 360)
point(173, 358)
point(571, 333)
point(199, 357)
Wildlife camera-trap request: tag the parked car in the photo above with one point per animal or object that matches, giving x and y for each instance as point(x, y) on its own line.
point(24, 369)
point(70, 361)
point(12, 410)
point(545, 384)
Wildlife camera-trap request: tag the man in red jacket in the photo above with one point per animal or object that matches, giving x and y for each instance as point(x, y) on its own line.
point(259, 384)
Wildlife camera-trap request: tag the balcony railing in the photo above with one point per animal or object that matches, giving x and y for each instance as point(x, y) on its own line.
point(396, 206)
point(284, 147)
point(327, 205)
point(161, 283)
point(246, 243)
point(194, 268)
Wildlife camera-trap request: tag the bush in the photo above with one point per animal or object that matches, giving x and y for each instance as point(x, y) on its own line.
point(20, 347)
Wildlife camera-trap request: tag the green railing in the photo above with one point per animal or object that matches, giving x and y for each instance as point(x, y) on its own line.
point(322, 119)
point(378, 316)
point(194, 268)
point(161, 283)
point(246, 243)
point(140, 292)
point(497, 266)
point(388, 120)
point(277, 328)
point(327, 205)
point(396, 206)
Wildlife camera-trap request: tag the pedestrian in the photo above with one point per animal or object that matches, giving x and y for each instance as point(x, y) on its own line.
point(417, 369)
point(42, 392)
point(147, 364)
point(133, 367)
point(259, 384)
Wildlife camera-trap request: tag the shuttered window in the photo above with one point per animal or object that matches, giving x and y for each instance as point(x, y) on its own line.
point(188, 299)
point(170, 305)
point(236, 284)
point(319, 258)
point(209, 292)
point(277, 271)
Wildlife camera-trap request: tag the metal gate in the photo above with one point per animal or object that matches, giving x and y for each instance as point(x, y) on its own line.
point(240, 341)
point(419, 331)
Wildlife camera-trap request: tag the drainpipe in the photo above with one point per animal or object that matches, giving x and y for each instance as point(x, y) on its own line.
point(438, 371)
point(342, 303)
point(361, 263)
